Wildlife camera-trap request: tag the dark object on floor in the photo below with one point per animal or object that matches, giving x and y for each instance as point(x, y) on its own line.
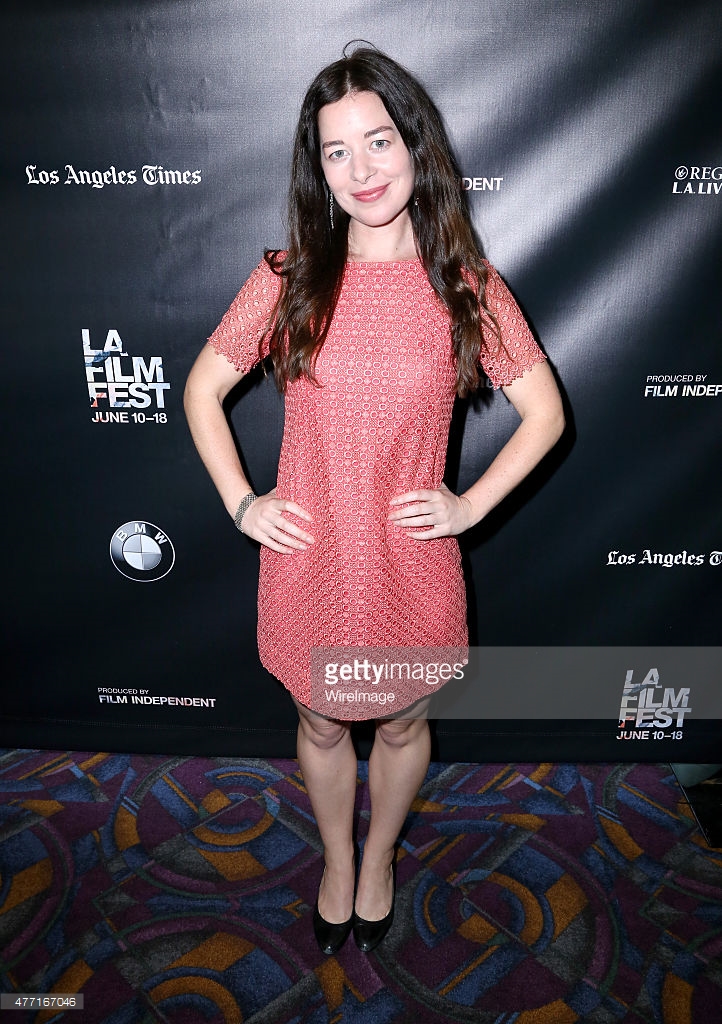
point(704, 794)
point(330, 937)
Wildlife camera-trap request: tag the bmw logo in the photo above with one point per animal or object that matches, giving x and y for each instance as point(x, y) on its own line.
point(141, 552)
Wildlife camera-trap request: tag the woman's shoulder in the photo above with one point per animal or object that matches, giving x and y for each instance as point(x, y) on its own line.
point(259, 288)
point(266, 276)
point(496, 289)
point(491, 272)
point(273, 260)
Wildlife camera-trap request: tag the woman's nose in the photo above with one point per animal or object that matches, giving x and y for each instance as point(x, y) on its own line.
point(361, 169)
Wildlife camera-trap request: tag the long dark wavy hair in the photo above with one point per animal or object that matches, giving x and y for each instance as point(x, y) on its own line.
point(312, 268)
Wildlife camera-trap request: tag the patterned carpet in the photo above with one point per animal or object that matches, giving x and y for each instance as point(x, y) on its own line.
point(178, 890)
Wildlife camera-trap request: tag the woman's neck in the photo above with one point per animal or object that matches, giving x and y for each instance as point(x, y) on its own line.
point(383, 244)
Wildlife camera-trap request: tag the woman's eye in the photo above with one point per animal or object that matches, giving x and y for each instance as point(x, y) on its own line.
point(380, 144)
point(337, 154)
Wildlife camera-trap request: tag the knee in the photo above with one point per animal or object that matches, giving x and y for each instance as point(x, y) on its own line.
point(322, 733)
point(399, 732)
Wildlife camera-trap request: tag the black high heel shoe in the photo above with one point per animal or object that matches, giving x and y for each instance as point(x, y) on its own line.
point(330, 937)
point(369, 934)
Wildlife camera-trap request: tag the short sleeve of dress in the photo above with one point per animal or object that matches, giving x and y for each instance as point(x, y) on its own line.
point(504, 363)
point(239, 332)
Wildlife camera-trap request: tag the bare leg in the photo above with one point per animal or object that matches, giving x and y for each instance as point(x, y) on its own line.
point(397, 766)
point(328, 762)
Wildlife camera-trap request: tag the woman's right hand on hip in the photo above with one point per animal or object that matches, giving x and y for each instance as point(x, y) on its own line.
point(265, 522)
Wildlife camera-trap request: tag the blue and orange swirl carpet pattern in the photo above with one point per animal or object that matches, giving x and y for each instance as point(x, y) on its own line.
point(179, 890)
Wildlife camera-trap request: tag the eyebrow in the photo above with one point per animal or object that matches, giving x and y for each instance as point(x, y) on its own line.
point(367, 135)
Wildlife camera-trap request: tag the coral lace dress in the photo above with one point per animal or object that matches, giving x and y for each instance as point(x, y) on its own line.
point(377, 427)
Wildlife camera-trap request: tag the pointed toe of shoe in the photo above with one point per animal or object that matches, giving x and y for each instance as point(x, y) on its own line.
point(330, 937)
point(369, 934)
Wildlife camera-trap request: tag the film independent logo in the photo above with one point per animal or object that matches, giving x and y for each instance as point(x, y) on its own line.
point(141, 551)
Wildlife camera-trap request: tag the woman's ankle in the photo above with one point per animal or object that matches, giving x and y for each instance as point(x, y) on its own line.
point(339, 859)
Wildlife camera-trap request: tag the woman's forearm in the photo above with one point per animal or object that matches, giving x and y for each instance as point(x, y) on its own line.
point(534, 437)
point(214, 441)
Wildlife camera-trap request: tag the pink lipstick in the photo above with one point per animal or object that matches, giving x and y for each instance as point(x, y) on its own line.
point(371, 195)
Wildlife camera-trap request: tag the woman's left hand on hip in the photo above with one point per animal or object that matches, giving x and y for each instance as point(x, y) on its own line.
point(429, 514)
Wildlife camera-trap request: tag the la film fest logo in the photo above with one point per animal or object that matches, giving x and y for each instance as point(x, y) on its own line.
point(149, 174)
point(123, 388)
point(142, 552)
point(650, 711)
point(700, 181)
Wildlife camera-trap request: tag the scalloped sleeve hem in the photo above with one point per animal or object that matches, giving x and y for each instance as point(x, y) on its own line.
point(520, 351)
point(247, 318)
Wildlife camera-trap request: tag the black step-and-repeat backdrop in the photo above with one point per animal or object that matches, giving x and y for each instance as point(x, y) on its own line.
point(145, 157)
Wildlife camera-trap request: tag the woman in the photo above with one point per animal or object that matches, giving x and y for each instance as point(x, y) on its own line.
point(378, 314)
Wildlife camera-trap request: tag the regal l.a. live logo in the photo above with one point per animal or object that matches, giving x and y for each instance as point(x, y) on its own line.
point(651, 711)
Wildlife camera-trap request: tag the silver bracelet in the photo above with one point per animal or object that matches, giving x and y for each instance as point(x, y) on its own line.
point(242, 509)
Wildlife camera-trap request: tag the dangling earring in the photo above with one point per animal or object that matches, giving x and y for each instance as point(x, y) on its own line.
point(330, 208)
point(416, 200)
